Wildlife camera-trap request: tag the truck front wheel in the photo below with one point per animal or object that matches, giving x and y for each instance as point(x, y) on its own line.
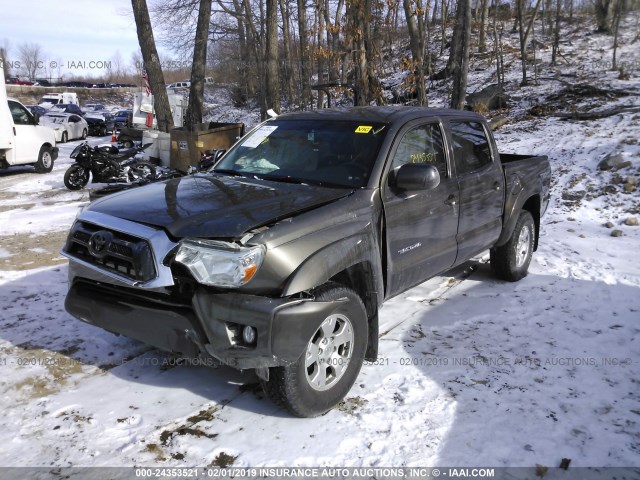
point(328, 367)
point(45, 160)
point(511, 260)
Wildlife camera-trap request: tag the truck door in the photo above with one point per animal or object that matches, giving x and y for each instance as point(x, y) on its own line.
point(421, 225)
point(481, 184)
point(24, 140)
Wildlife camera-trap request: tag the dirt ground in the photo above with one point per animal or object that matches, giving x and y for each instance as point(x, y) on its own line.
point(25, 252)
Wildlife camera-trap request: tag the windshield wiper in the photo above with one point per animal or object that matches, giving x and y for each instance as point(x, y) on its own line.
point(303, 181)
point(228, 171)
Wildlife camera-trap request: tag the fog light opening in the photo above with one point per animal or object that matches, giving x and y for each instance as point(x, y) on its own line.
point(249, 335)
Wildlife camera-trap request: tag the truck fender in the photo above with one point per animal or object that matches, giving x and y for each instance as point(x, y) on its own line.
point(524, 200)
point(333, 259)
point(338, 258)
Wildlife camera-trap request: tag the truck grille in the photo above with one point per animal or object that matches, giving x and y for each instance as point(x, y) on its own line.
point(111, 250)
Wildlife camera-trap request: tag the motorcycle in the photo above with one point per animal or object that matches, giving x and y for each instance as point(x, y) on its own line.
point(207, 159)
point(107, 164)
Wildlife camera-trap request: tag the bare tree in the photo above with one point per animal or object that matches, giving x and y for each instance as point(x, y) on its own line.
point(524, 33)
point(482, 44)
point(152, 65)
point(30, 55)
point(417, 16)
point(271, 59)
point(617, 15)
point(604, 15)
point(196, 90)
point(357, 15)
point(463, 18)
point(305, 57)
point(555, 49)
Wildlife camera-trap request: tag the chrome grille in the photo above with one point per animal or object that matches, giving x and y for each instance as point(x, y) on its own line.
point(111, 250)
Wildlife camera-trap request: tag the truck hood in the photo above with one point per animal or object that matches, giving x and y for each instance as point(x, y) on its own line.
point(214, 206)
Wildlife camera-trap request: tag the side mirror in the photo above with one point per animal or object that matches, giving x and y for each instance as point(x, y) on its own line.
point(417, 176)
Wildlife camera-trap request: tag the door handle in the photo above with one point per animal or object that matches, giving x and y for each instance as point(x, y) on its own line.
point(451, 200)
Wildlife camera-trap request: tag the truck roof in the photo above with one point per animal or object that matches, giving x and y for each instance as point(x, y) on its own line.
point(386, 114)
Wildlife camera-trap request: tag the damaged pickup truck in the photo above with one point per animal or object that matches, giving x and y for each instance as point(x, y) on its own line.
point(279, 258)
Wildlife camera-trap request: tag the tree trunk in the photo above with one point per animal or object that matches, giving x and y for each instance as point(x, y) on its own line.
point(271, 59)
point(321, 51)
point(604, 15)
point(356, 20)
point(482, 44)
point(617, 15)
point(460, 76)
point(555, 49)
point(287, 50)
point(196, 90)
point(415, 25)
point(524, 33)
point(152, 65)
point(305, 56)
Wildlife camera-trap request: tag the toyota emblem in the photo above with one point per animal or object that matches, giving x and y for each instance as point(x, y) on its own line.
point(99, 243)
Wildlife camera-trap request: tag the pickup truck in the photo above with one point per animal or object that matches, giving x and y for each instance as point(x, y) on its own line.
point(22, 140)
point(279, 258)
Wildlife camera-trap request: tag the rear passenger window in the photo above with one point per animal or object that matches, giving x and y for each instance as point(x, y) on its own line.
point(423, 144)
point(471, 149)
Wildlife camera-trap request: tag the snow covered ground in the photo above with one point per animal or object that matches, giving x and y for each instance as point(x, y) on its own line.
point(472, 371)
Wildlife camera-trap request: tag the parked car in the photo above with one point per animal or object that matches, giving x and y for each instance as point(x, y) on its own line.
point(279, 258)
point(37, 111)
point(121, 118)
point(100, 124)
point(51, 99)
point(67, 126)
point(17, 81)
point(94, 107)
point(179, 85)
point(43, 82)
point(67, 108)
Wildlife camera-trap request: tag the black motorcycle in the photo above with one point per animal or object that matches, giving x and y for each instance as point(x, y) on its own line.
point(107, 164)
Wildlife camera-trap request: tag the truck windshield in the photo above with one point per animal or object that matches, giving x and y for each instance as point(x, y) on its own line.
point(327, 152)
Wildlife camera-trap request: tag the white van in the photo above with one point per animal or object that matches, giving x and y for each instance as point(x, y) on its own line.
point(51, 99)
point(22, 140)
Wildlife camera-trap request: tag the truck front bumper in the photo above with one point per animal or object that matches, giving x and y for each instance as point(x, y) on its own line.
point(212, 325)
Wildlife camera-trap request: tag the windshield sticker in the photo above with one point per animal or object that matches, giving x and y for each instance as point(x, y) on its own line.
point(259, 136)
point(363, 129)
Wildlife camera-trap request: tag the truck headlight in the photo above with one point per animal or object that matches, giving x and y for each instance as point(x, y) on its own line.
point(220, 264)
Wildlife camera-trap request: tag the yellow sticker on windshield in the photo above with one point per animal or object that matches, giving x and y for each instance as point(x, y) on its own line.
point(363, 129)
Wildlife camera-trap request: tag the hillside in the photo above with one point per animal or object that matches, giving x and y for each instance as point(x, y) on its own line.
point(472, 371)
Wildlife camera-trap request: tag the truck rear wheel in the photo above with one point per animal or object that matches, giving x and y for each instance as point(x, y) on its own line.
point(511, 260)
point(45, 160)
point(328, 367)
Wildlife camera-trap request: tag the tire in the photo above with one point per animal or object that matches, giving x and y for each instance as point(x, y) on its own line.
point(126, 142)
point(45, 160)
point(103, 132)
point(313, 385)
point(84, 134)
point(65, 137)
point(76, 177)
point(511, 261)
point(143, 171)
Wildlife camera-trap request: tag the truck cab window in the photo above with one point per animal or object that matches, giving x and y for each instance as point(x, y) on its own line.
point(20, 114)
point(471, 149)
point(422, 144)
